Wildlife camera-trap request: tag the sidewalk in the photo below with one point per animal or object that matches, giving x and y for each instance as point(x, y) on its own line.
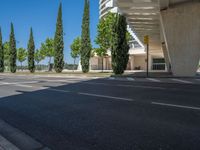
point(6, 145)
point(17, 137)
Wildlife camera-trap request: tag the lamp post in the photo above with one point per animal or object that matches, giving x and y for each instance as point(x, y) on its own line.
point(146, 42)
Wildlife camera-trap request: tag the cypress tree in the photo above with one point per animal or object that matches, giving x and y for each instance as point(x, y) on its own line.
point(31, 53)
point(59, 43)
point(85, 39)
point(12, 50)
point(1, 53)
point(120, 46)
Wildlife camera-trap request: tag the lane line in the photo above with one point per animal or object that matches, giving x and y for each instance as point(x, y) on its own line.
point(105, 96)
point(66, 81)
point(56, 90)
point(153, 80)
point(22, 85)
point(182, 81)
point(25, 82)
point(131, 79)
point(94, 83)
point(140, 86)
point(93, 95)
point(177, 106)
point(111, 78)
point(124, 85)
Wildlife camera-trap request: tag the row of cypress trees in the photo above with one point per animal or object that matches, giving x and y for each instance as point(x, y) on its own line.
point(58, 46)
point(86, 46)
point(13, 52)
point(119, 48)
point(119, 42)
point(1, 53)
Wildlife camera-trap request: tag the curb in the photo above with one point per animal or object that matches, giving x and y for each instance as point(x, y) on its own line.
point(21, 140)
point(52, 76)
point(6, 145)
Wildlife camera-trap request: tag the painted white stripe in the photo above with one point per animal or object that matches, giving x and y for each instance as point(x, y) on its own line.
point(153, 80)
point(56, 90)
point(177, 106)
point(25, 82)
point(66, 81)
point(182, 81)
point(21, 84)
point(140, 86)
point(124, 85)
point(105, 96)
point(131, 79)
point(111, 78)
point(94, 95)
point(94, 83)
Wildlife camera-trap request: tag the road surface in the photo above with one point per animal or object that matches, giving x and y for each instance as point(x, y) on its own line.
point(75, 113)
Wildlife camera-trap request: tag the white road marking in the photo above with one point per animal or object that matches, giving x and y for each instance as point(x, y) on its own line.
point(25, 82)
point(140, 86)
point(182, 81)
point(111, 78)
point(131, 79)
point(93, 95)
point(153, 80)
point(177, 106)
point(57, 90)
point(124, 85)
point(21, 84)
point(66, 81)
point(105, 96)
point(94, 83)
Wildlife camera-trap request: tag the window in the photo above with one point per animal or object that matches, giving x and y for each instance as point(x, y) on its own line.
point(158, 64)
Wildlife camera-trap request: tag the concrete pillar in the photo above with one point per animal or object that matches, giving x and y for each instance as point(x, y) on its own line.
point(181, 27)
point(132, 62)
point(166, 56)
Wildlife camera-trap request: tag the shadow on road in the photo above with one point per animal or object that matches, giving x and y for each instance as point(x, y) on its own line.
point(66, 118)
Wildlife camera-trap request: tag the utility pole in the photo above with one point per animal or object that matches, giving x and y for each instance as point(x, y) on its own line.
point(146, 42)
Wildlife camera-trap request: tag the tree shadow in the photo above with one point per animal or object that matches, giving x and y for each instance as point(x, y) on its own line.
point(64, 117)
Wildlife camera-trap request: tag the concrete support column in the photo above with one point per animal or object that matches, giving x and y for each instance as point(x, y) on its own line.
point(132, 62)
point(166, 56)
point(181, 27)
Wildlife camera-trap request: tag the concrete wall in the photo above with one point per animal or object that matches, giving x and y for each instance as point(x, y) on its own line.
point(140, 61)
point(181, 26)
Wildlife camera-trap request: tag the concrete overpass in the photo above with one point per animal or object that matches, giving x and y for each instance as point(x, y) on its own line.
point(173, 27)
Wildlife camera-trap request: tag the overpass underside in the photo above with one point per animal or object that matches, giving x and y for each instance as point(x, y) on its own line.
point(173, 27)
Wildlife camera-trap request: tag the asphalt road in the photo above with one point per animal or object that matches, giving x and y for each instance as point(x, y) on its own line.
point(104, 114)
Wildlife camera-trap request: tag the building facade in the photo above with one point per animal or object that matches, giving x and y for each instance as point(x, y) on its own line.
point(173, 28)
point(137, 52)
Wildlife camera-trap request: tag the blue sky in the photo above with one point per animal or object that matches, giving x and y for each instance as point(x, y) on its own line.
point(41, 15)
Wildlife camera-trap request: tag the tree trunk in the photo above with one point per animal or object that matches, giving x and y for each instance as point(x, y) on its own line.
point(21, 66)
point(49, 64)
point(74, 64)
point(38, 66)
point(102, 63)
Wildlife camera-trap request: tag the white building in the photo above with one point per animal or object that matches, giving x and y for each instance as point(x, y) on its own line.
point(174, 30)
point(137, 59)
point(173, 27)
